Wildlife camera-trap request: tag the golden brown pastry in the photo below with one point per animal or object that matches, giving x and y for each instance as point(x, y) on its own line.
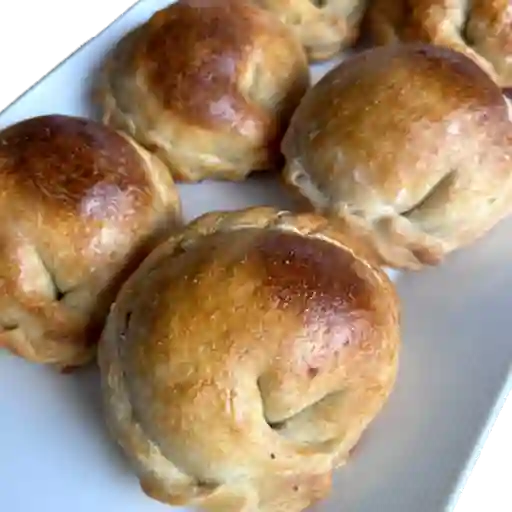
point(323, 27)
point(245, 357)
point(482, 29)
point(207, 85)
point(408, 145)
point(80, 206)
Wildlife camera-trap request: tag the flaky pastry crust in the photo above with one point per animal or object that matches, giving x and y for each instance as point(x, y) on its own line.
point(324, 28)
point(407, 145)
point(481, 29)
point(244, 358)
point(207, 85)
point(80, 205)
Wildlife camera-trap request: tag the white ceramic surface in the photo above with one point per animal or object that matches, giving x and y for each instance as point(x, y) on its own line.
point(55, 454)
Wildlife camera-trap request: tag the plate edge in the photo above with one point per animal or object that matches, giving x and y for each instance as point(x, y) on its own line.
point(480, 448)
point(76, 46)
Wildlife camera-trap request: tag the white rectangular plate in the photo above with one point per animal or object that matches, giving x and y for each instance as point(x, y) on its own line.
point(455, 366)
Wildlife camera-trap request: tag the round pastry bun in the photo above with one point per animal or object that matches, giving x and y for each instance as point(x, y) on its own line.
point(80, 205)
point(207, 85)
point(244, 358)
point(323, 28)
point(481, 29)
point(408, 145)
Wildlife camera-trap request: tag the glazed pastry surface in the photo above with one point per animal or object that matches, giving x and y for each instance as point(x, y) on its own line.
point(408, 146)
point(80, 206)
point(481, 29)
point(207, 85)
point(245, 357)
